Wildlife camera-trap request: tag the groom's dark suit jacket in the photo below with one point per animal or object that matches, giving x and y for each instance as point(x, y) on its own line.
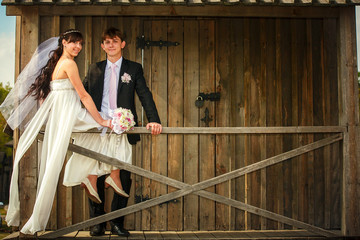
point(94, 85)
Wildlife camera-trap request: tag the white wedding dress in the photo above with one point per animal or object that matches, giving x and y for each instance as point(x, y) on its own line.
point(116, 146)
point(62, 110)
point(63, 114)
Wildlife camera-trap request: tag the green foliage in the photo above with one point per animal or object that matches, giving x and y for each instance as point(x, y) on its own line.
point(4, 138)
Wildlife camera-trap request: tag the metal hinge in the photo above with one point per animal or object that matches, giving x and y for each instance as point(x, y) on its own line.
point(141, 43)
point(141, 198)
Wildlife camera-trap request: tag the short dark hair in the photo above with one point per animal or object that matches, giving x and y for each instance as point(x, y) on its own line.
point(112, 32)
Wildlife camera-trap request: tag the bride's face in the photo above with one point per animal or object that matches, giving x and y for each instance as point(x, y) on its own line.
point(72, 49)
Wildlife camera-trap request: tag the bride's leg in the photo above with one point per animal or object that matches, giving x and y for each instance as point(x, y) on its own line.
point(90, 185)
point(115, 175)
point(93, 181)
point(114, 181)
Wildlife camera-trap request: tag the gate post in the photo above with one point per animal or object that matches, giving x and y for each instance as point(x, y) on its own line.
point(28, 165)
point(349, 117)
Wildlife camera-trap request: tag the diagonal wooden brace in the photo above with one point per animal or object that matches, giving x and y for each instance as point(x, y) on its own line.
point(197, 189)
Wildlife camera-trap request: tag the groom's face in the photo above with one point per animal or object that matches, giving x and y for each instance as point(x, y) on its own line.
point(113, 46)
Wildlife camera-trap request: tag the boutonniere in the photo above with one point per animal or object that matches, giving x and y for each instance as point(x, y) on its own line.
point(126, 78)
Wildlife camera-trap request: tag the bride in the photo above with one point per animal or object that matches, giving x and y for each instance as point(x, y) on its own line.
point(52, 79)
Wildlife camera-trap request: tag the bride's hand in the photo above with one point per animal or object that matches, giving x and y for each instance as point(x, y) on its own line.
point(107, 123)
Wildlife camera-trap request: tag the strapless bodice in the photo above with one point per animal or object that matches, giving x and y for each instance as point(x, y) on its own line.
point(61, 84)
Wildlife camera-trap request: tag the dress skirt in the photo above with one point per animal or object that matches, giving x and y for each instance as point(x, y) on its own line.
point(79, 167)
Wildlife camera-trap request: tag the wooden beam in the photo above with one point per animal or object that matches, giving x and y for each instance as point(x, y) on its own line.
point(179, 11)
point(28, 164)
point(239, 130)
point(349, 116)
point(187, 189)
point(16, 133)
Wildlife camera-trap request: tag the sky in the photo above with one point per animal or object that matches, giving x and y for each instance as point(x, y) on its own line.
point(7, 45)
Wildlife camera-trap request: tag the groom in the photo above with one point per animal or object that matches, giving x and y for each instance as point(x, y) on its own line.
point(129, 78)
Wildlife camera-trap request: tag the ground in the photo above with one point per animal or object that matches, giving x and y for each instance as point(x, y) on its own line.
point(4, 229)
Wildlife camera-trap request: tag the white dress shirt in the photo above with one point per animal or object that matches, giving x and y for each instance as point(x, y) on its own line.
point(105, 105)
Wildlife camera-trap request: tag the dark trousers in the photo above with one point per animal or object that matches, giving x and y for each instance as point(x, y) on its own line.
point(118, 201)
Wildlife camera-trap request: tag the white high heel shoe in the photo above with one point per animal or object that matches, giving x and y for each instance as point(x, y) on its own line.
point(110, 182)
point(90, 191)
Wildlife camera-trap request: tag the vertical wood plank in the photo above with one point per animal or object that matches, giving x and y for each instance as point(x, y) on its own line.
point(80, 59)
point(271, 112)
point(237, 98)
point(262, 114)
point(47, 32)
point(305, 119)
point(333, 164)
point(84, 25)
point(137, 150)
point(137, 55)
point(299, 75)
point(132, 29)
point(159, 143)
point(303, 216)
point(273, 118)
point(223, 79)
point(191, 119)
point(28, 164)
point(207, 143)
point(297, 49)
point(286, 94)
point(278, 119)
point(349, 117)
point(67, 23)
point(17, 49)
point(175, 119)
point(309, 122)
point(146, 139)
point(255, 95)
point(115, 21)
point(319, 119)
point(328, 61)
point(247, 73)
point(99, 24)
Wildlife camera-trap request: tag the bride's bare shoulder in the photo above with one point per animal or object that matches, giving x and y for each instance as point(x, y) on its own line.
point(70, 64)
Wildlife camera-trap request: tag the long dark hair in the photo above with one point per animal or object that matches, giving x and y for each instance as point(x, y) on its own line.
point(41, 87)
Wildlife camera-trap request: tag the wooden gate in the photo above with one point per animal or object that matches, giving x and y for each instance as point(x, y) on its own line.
point(270, 72)
point(198, 188)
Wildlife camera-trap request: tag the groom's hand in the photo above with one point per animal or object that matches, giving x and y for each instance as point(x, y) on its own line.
point(156, 128)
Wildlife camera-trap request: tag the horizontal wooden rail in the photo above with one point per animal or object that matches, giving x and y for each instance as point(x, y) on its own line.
point(240, 130)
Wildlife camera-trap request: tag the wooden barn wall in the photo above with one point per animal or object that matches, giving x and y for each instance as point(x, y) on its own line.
point(270, 72)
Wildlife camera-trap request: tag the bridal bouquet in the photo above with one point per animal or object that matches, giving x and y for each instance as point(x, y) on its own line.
point(122, 120)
